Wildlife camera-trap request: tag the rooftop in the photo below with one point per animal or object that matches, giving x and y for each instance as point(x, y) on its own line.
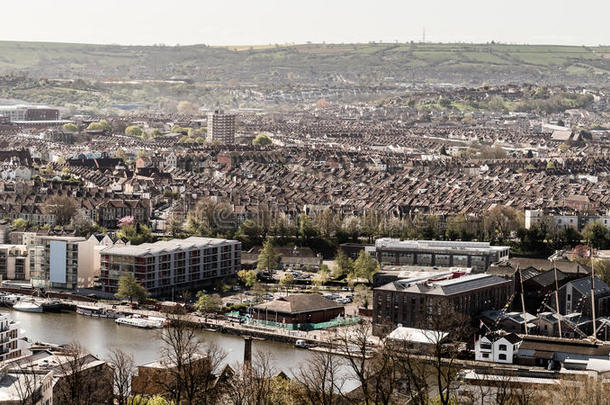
point(433, 245)
point(299, 303)
point(144, 249)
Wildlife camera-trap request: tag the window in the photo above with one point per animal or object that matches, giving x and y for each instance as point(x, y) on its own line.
point(485, 355)
point(502, 348)
point(502, 356)
point(569, 297)
point(486, 346)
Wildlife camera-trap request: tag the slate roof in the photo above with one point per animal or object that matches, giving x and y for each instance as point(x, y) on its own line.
point(299, 303)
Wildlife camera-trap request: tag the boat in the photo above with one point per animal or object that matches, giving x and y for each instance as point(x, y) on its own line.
point(28, 306)
point(50, 305)
point(96, 312)
point(301, 344)
point(9, 300)
point(144, 323)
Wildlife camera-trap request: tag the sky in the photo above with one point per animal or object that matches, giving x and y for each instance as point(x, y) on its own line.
point(259, 22)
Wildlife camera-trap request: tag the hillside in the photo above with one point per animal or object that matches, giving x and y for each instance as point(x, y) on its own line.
point(313, 63)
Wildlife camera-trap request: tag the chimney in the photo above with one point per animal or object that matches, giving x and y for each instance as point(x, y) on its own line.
point(247, 351)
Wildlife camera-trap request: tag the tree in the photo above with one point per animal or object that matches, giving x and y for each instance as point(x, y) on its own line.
point(365, 266)
point(123, 367)
point(602, 269)
point(211, 218)
point(444, 102)
point(321, 379)
point(262, 140)
point(133, 130)
point(361, 295)
point(121, 154)
point(596, 235)
point(322, 276)
point(83, 225)
point(249, 234)
point(192, 365)
point(208, 302)
point(326, 223)
point(248, 277)
point(20, 223)
point(287, 281)
point(101, 125)
point(186, 107)
point(155, 133)
point(174, 225)
point(501, 220)
point(307, 230)
point(70, 127)
point(130, 288)
point(268, 260)
point(79, 383)
point(136, 234)
point(343, 265)
point(62, 207)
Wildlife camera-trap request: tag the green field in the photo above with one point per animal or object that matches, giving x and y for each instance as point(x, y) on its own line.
point(468, 63)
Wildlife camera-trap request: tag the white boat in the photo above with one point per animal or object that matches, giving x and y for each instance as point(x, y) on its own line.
point(141, 322)
point(96, 312)
point(28, 306)
point(10, 299)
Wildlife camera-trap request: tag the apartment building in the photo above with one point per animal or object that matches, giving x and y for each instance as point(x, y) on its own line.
point(476, 255)
point(54, 261)
point(564, 220)
point(221, 127)
point(29, 113)
point(14, 262)
point(10, 345)
point(412, 302)
point(167, 267)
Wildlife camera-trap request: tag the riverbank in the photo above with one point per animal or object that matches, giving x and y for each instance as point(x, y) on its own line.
point(320, 338)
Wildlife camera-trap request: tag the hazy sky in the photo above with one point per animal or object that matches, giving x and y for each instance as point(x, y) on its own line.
point(226, 22)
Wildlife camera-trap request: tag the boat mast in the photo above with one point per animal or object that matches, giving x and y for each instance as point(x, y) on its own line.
point(593, 293)
point(557, 299)
point(522, 299)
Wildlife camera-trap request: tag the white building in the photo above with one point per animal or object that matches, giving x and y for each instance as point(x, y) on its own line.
point(89, 258)
point(497, 348)
point(221, 127)
point(11, 346)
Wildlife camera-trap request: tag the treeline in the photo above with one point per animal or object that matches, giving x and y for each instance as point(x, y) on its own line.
point(324, 231)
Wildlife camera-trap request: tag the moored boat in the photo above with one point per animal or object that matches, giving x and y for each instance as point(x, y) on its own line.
point(144, 323)
point(28, 306)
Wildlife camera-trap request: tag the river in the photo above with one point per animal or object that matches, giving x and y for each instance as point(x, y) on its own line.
point(99, 336)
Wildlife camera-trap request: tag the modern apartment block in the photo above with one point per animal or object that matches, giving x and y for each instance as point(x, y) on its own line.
point(14, 262)
point(412, 302)
point(54, 261)
point(476, 255)
point(221, 127)
point(10, 346)
point(170, 266)
point(29, 113)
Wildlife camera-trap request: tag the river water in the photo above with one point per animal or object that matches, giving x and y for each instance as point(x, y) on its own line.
point(99, 336)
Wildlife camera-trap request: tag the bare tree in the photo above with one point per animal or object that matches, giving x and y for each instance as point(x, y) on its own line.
point(251, 384)
point(444, 348)
point(320, 378)
point(373, 367)
point(190, 365)
point(82, 379)
point(123, 368)
point(28, 382)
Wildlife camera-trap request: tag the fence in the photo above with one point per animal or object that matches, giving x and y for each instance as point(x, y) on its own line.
point(351, 320)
